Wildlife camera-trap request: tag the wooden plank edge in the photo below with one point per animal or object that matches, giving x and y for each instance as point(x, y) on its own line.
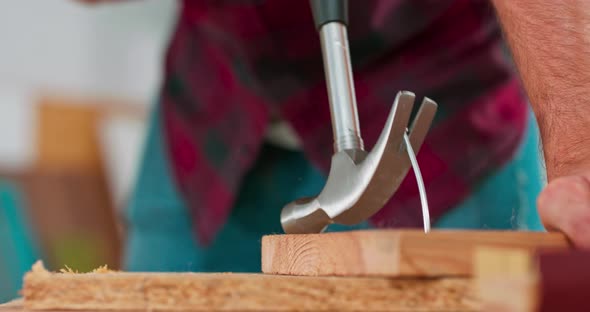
point(392, 253)
point(242, 292)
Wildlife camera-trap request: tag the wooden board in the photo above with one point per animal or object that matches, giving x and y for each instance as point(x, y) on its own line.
point(506, 279)
point(391, 252)
point(240, 292)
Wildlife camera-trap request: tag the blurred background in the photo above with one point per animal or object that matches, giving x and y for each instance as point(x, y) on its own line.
point(76, 86)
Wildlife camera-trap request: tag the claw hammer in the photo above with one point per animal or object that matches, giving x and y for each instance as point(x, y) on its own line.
point(359, 183)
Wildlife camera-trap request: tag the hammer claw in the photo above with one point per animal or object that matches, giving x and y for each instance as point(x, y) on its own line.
point(421, 123)
point(359, 187)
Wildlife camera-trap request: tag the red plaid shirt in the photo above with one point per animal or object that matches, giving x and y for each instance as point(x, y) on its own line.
point(234, 63)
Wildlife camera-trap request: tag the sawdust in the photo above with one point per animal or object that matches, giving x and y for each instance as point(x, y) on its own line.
point(39, 268)
point(67, 269)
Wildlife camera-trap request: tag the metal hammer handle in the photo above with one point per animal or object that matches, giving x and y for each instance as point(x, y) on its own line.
point(331, 18)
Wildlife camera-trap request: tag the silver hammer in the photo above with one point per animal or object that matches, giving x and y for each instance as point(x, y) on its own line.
point(359, 183)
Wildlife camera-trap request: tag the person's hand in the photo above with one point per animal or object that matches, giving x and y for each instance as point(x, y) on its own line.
point(564, 205)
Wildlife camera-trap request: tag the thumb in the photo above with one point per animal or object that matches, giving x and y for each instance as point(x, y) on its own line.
point(564, 205)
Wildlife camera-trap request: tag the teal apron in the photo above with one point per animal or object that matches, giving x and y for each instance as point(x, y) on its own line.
point(18, 248)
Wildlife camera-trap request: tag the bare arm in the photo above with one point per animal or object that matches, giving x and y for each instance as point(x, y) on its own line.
point(550, 41)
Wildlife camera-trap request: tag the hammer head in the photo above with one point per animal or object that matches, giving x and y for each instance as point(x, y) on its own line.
point(360, 183)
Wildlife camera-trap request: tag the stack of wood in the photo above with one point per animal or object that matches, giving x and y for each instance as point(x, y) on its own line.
point(352, 271)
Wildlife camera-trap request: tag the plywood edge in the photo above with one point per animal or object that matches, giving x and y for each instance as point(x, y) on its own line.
point(242, 292)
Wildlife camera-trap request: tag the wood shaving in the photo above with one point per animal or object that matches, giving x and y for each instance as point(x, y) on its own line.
point(102, 269)
point(67, 269)
point(39, 268)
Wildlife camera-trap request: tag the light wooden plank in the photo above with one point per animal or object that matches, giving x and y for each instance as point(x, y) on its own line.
point(506, 279)
point(241, 292)
point(391, 252)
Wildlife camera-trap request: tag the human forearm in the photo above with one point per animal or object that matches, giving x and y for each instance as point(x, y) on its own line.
point(550, 42)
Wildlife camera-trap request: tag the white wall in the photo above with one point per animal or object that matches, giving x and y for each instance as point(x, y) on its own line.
point(61, 46)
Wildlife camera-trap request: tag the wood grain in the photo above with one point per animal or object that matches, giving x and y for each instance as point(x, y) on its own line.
point(240, 292)
point(391, 252)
